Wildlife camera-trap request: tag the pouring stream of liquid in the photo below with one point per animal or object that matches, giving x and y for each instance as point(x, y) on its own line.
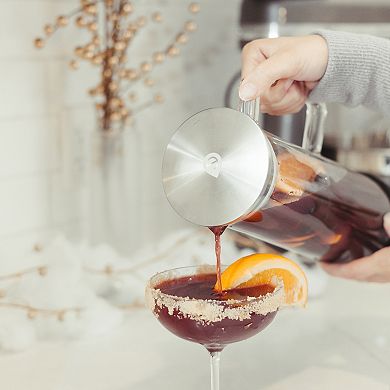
point(218, 230)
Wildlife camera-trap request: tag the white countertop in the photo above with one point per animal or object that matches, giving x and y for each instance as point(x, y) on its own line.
point(341, 341)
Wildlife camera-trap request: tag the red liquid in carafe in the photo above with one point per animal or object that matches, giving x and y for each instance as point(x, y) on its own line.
point(340, 223)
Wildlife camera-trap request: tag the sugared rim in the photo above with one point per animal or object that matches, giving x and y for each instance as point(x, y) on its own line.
point(209, 310)
point(208, 269)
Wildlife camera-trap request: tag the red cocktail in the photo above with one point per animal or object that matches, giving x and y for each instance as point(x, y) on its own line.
point(184, 301)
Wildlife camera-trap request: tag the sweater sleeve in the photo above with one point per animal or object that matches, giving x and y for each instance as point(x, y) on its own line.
point(358, 71)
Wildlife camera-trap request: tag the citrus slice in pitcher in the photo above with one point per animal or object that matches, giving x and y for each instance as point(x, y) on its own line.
point(267, 268)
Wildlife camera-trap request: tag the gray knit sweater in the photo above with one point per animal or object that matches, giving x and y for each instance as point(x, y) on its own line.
point(358, 71)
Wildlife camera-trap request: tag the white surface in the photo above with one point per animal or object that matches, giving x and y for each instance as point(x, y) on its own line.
point(340, 342)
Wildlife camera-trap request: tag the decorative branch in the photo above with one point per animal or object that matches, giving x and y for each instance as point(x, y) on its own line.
point(33, 312)
point(109, 271)
point(111, 37)
point(41, 270)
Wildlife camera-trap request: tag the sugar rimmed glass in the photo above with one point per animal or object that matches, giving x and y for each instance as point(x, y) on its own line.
point(213, 323)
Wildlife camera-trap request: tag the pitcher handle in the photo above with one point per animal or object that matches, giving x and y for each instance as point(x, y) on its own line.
point(313, 133)
point(251, 108)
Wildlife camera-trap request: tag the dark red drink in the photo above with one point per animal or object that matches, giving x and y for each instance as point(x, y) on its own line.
point(213, 334)
point(340, 222)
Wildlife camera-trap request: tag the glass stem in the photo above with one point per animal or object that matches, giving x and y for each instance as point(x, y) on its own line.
point(214, 362)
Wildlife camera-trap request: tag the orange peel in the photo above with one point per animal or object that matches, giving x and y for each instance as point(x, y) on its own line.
point(268, 268)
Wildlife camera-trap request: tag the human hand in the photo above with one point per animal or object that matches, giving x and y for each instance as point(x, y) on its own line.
point(282, 71)
point(374, 268)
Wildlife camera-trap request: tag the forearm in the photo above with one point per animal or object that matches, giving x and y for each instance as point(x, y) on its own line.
point(358, 71)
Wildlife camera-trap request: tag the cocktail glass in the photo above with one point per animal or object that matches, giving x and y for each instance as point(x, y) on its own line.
point(183, 301)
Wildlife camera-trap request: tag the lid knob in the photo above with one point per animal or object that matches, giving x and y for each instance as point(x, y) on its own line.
point(212, 164)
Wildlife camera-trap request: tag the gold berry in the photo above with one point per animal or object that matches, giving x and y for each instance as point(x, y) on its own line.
point(97, 60)
point(158, 57)
point(113, 86)
point(42, 270)
point(190, 26)
point(194, 8)
point(61, 316)
point(172, 51)
point(115, 102)
point(114, 17)
point(88, 54)
point(128, 34)
point(31, 314)
point(157, 17)
point(113, 60)
point(90, 47)
point(62, 21)
point(90, 9)
point(127, 8)
point(124, 112)
point(92, 26)
point(115, 116)
point(120, 45)
point(79, 51)
point(158, 98)
point(37, 247)
point(146, 67)
point(48, 29)
point(80, 21)
point(39, 43)
point(92, 92)
point(107, 73)
point(182, 38)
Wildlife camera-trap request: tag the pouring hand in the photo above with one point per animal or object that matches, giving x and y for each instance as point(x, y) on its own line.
point(374, 268)
point(282, 71)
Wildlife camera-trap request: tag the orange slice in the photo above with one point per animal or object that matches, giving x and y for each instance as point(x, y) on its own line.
point(268, 268)
point(293, 174)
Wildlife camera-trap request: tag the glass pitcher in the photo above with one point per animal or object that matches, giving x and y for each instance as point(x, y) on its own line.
point(220, 168)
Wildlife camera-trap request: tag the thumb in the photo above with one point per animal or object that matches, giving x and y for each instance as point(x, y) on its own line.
point(386, 223)
point(279, 66)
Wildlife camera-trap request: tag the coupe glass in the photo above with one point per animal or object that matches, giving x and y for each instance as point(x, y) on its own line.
point(212, 323)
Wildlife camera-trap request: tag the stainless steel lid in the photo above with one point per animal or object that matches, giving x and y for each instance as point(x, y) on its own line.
point(218, 167)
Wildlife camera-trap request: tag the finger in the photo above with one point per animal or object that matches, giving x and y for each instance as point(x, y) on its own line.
point(310, 85)
point(386, 223)
point(251, 56)
point(292, 102)
point(292, 109)
point(374, 268)
point(276, 93)
point(357, 270)
point(260, 79)
point(286, 111)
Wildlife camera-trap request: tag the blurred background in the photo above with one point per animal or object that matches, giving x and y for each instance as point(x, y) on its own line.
point(48, 117)
point(88, 204)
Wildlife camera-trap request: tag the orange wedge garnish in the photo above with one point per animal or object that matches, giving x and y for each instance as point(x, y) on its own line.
point(267, 268)
point(293, 174)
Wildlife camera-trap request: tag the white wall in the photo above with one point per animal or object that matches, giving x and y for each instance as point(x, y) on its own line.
point(46, 116)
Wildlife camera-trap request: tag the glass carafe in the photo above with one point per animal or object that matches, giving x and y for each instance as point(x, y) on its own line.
point(220, 168)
